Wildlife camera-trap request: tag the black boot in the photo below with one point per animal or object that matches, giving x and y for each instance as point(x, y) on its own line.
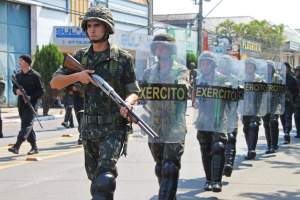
point(16, 147)
point(250, 155)
point(218, 160)
point(287, 139)
point(1, 135)
point(33, 150)
point(230, 152)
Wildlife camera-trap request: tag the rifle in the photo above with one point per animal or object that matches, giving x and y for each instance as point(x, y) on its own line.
point(25, 98)
point(73, 65)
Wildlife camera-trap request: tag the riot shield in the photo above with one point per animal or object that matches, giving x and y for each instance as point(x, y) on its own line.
point(229, 67)
point(214, 92)
point(164, 93)
point(254, 72)
point(276, 88)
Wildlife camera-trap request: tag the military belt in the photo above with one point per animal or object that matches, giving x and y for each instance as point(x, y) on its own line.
point(99, 119)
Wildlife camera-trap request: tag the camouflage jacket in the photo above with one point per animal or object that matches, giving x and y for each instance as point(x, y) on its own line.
point(167, 117)
point(101, 114)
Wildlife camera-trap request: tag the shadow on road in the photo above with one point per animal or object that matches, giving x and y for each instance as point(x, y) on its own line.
point(280, 195)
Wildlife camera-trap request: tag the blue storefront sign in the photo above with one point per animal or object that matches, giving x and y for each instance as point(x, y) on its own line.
point(69, 36)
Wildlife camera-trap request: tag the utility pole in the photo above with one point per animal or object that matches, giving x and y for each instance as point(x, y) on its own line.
point(199, 22)
point(150, 17)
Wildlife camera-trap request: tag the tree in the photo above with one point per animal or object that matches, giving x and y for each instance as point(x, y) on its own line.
point(270, 36)
point(46, 62)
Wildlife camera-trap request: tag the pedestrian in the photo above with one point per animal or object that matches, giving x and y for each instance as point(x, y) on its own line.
point(31, 81)
point(290, 97)
point(104, 126)
point(297, 102)
point(68, 104)
point(167, 116)
point(2, 88)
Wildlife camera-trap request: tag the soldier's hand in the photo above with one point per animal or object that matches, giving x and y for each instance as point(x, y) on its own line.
point(125, 113)
point(85, 76)
point(18, 92)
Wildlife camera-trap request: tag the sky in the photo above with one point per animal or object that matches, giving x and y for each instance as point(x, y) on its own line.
point(274, 11)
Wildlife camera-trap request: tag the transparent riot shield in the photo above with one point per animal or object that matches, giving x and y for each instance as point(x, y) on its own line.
point(164, 93)
point(229, 67)
point(214, 92)
point(276, 88)
point(254, 72)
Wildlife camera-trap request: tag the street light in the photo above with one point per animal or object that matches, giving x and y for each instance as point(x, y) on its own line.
point(199, 22)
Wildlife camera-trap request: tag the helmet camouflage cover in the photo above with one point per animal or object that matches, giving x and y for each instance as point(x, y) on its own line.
point(100, 13)
point(165, 39)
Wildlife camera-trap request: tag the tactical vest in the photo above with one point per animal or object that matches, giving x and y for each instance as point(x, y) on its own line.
point(99, 109)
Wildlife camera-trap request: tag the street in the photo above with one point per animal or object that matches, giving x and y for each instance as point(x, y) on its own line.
point(60, 173)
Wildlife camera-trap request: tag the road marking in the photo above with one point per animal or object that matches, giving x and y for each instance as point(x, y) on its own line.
point(49, 148)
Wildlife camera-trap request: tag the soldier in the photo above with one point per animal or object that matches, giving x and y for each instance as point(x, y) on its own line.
point(2, 88)
point(30, 80)
point(297, 102)
point(78, 106)
point(291, 94)
point(104, 126)
point(167, 116)
point(228, 67)
point(211, 120)
point(275, 107)
point(253, 106)
point(68, 104)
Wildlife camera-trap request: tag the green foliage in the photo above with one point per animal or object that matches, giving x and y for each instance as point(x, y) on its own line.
point(191, 58)
point(270, 36)
point(46, 61)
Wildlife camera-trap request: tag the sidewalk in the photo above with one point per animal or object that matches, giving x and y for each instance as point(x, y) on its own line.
point(11, 115)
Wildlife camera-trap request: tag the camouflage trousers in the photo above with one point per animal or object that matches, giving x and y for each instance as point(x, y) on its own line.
point(101, 154)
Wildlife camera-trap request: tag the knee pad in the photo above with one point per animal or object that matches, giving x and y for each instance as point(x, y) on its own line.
point(218, 148)
point(105, 183)
point(253, 126)
point(169, 169)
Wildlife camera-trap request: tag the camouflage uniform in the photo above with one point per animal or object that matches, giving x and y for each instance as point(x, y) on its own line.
point(103, 129)
point(270, 120)
point(167, 118)
point(211, 124)
point(251, 121)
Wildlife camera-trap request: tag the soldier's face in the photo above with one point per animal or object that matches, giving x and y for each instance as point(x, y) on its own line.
point(163, 55)
point(250, 68)
point(95, 30)
point(206, 67)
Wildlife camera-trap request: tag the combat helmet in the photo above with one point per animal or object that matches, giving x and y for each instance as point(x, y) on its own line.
point(251, 61)
point(209, 56)
point(100, 13)
point(167, 40)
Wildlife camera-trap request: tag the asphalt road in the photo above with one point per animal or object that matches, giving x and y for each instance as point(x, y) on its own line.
point(60, 175)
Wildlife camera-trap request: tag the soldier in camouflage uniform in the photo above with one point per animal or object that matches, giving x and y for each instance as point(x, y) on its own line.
point(252, 106)
point(167, 117)
point(270, 120)
point(211, 123)
point(104, 126)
